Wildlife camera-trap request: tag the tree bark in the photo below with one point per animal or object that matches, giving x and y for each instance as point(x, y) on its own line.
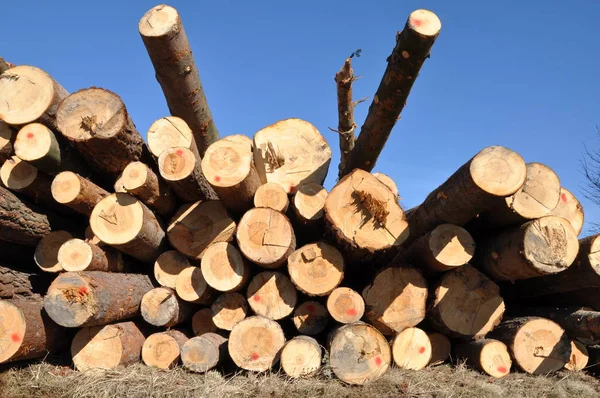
point(163, 350)
point(311, 318)
point(183, 172)
point(228, 310)
point(15, 283)
point(488, 355)
point(7, 140)
point(224, 268)
point(4, 65)
point(343, 80)
point(202, 353)
point(411, 349)
point(46, 252)
point(272, 295)
point(316, 269)
point(301, 357)
point(76, 192)
point(78, 255)
point(345, 305)
point(255, 343)
point(273, 196)
point(161, 307)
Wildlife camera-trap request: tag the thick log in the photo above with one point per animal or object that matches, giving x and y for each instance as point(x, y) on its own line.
point(388, 182)
point(396, 299)
point(228, 310)
point(7, 138)
point(167, 44)
point(440, 348)
point(273, 196)
point(301, 357)
point(15, 283)
point(97, 124)
point(488, 355)
point(413, 45)
point(266, 237)
point(272, 295)
point(26, 331)
point(345, 305)
point(446, 247)
point(161, 307)
point(139, 180)
point(255, 343)
point(224, 268)
point(343, 80)
point(569, 207)
point(579, 357)
point(91, 298)
point(79, 255)
point(363, 217)
point(536, 345)
point(580, 323)
point(465, 304)
point(171, 132)
point(411, 349)
point(316, 269)
point(168, 266)
point(28, 94)
point(310, 318)
point(46, 252)
point(202, 322)
point(122, 221)
point(228, 166)
point(291, 152)
point(183, 172)
point(107, 347)
point(202, 353)
point(358, 353)
point(76, 192)
point(163, 350)
point(191, 286)
point(540, 247)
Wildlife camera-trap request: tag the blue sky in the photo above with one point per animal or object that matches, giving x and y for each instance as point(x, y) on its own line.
point(519, 74)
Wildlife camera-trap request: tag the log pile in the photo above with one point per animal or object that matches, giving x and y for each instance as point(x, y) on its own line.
point(203, 251)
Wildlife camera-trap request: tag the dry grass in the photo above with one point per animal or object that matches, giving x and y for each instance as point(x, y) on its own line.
point(44, 380)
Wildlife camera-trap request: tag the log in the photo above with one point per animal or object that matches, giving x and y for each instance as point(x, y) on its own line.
point(161, 307)
point(46, 252)
point(202, 353)
point(123, 222)
point(28, 94)
point(7, 138)
point(76, 192)
point(168, 266)
point(202, 322)
point(16, 283)
point(272, 295)
point(107, 347)
point(493, 173)
point(95, 121)
point(291, 152)
point(195, 226)
point(446, 247)
point(396, 299)
point(191, 286)
point(540, 247)
point(343, 81)
point(26, 331)
point(465, 304)
point(579, 357)
point(48, 151)
point(536, 345)
point(440, 348)
point(224, 268)
point(272, 196)
point(167, 44)
point(358, 353)
point(139, 180)
point(411, 349)
point(580, 323)
point(266, 237)
point(183, 172)
point(308, 211)
point(301, 357)
point(488, 355)
point(92, 298)
point(413, 45)
point(171, 132)
point(163, 350)
point(569, 207)
point(345, 305)
point(228, 310)
point(316, 269)
point(228, 166)
point(310, 318)
point(388, 182)
point(363, 217)
point(255, 343)
point(78, 255)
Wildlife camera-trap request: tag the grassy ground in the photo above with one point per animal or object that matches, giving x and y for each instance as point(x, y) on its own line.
point(44, 380)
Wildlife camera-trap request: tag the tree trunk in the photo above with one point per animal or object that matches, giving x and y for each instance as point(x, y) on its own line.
point(28, 94)
point(413, 46)
point(316, 269)
point(228, 310)
point(15, 283)
point(440, 348)
point(224, 268)
point(488, 355)
point(163, 350)
point(90, 298)
point(388, 182)
point(579, 357)
point(255, 343)
point(161, 307)
point(411, 349)
point(202, 322)
point(168, 266)
point(536, 345)
point(191, 286)
point(195, 226)
point(291, 152)
point(107, 347)
point(301, 357)
point(27, 331)
point(202, 353)
point(446, 247)
point(580, 323)
point(343, 80)
point(396, 299)
point(46, 252)
point(272, 196)
point(228, 166)
point(569, 207)
point(125, 223)
point(76, 192)
point(345, 305)
point(465, 304)
point(363, 217)
point(139, 180)
point(7, 140)
point(78, 255)
point(97, 124)
point(183, 172)
point(171, 55)
point(359, 353)
point(266, 237)
point(540, 247)
point(311, 318)
point(272, 295)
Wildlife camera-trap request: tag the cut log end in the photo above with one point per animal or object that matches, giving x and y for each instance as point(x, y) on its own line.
point(34, 142)
point(273, 196)
point(255, 343)
point(202, 353)
point(440, 348)
point(66, 187)
point(498, 171)
point(168, 266)
point(569, 207)
point(159, 21)
point(388, 182)
point(161, 307)
point(134, 176)
point(79, 255)
point(310, 318)
point(579, 357)
point(117, 219)
point(301, 357)
point(202, 322)
point(17, 175)
point(425, 23)
point(411, 349)
point(169, 132)
point(488, 355)
point(176, 164)
point(539, 195)
point(316, 269)
point(272, 295)
point(309, 203)
point(228, 310)
point(12, 330)
point(224, 268)
point(46, 252)
point(228, 162)
point(191, 286)
point(163, 350)
point(451, 245)
point(345, 305)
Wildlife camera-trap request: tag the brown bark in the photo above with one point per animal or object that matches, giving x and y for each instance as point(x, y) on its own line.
point(487, 355)
point(7, 140)
point(4, 65)
point(183, 172)
point(139, 180)
point(343, 80)
point(202, 353)
point(161, 307)
point(15, 283)
point(76, 192)
point(255, 343)
point(163, 350)
point(301, 357)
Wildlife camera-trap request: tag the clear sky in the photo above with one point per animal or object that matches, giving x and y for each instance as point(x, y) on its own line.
point(520, 74)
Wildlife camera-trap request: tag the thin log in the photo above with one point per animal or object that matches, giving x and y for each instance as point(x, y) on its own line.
point(139, 180)
point(488, 355)
point(345, 305)
point(343, 80)
point(79, 255)
point(228, 310)
point(316, 269)
point(46, 252)
point(308, 211)
point(411, 349)
point(191, 286)
point(311, 318)
point(224, 268)
point(76, 192)
point(171, 132)
point(168, 266)
point(273, 196)
point(272, 295)
point(183, 172)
